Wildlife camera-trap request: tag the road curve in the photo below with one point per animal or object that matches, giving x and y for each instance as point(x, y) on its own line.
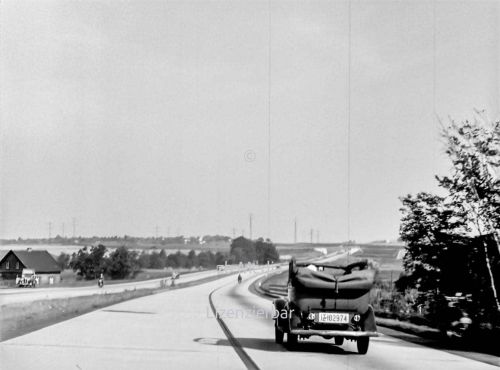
point(177, 329)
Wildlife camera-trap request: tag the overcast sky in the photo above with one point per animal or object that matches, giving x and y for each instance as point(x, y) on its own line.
point(131, 114)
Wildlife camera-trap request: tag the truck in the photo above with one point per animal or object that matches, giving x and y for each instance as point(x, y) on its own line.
point(330, 301)
point(28, 279)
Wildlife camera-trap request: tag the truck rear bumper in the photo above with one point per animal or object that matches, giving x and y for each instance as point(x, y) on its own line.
point(334, 333)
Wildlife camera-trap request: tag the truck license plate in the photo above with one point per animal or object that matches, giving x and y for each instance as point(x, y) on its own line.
point(333, 317)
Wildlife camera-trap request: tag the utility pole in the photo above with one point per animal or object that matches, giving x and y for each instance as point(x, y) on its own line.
point(250, 221)
point(295, 231)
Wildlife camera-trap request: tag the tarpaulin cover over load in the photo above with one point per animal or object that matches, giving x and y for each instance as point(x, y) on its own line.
point(343, 279)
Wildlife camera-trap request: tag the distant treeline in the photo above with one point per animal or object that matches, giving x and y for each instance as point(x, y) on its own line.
point(121, 263)
point(90, 262)
point(125, 239)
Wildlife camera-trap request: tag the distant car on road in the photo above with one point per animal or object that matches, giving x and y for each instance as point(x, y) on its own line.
point(328, 301)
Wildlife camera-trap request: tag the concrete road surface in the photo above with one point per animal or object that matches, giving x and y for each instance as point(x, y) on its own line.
point(177, 330)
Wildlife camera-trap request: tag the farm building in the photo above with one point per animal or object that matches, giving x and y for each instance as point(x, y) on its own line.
point(42, 262)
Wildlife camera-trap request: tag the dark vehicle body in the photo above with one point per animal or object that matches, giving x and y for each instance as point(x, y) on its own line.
point(328, 301)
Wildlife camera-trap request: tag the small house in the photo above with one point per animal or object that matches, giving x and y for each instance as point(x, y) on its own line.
point(42, 262)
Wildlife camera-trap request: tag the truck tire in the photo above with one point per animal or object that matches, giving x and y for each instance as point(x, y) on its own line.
point(278, 335)
point(362, 344)
point(292, 340)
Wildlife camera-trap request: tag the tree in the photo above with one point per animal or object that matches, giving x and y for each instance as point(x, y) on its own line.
point(158, 260)
point(63, 260)
point(242, 250)
point(266, 251)
point(145, 260)
point(89, 264)
point(220, 258)
point(474, 150)
point(192, 259)
point(122, 263)
point(443, 232)
point(246, 250)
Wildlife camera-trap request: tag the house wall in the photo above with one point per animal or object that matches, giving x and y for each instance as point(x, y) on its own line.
point(11, 267)
point(45, 278)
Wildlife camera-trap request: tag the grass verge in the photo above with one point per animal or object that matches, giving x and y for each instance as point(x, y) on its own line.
point(21, 318)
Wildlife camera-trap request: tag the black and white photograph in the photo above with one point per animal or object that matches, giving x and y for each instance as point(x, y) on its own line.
point(249, 184)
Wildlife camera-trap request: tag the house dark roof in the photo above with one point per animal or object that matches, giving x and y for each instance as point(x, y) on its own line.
point(40, 261)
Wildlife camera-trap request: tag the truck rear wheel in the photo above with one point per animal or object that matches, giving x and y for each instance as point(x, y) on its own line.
point(278, 335)
point(362, 344)
point(292, 340)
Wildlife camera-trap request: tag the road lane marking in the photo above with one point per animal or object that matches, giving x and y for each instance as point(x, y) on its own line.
point(247, 360)
point(125, 311)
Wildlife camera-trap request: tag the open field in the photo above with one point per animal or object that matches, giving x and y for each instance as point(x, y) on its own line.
point(387, 256)
point(303, 251)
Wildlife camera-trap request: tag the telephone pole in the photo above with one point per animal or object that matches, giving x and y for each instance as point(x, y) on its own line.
point(295, 231)
point(250, 222)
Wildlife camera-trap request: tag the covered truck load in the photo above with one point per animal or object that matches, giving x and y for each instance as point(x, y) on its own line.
point(328, 300)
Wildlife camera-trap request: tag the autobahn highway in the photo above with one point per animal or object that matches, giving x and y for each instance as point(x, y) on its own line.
point(177, 329)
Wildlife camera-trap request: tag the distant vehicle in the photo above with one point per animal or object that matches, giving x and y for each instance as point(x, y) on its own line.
point(221, 267)
point(239, 278)
point(28, 279)
point(328, 301)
